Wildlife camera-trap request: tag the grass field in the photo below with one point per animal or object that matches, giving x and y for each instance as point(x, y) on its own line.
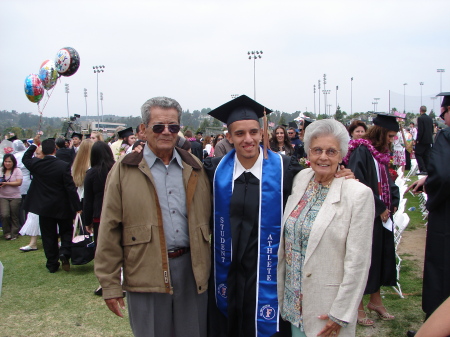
point(36, 303)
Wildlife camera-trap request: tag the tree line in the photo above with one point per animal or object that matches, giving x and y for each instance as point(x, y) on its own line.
point(26, 124)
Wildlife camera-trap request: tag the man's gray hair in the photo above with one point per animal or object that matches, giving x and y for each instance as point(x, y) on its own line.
point(160, 102)
point(327, 127)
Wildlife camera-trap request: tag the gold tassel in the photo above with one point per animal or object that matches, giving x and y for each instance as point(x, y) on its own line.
point(265, 135)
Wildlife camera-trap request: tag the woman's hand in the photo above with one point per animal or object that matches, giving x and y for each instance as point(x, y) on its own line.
point(330, 329)
point(37, 140)
point(385, 215)
point(89, 229)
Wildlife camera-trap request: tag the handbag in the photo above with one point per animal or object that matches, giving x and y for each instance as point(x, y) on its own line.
point(83, 246)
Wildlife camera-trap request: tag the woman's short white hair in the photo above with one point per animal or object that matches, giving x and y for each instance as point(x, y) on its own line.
point(327, 127)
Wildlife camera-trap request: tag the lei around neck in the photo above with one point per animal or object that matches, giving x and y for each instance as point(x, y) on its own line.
point(382, 158)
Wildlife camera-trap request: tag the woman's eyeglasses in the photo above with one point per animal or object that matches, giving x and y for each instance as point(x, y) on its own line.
point(317, 151)
point(159, 128)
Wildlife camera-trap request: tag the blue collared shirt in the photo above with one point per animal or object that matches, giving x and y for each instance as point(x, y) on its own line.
point(172, 197)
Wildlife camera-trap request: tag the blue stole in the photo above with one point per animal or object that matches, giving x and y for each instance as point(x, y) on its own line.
point(270, 217)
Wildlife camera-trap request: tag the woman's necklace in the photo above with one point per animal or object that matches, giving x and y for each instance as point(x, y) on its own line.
point(326, 183)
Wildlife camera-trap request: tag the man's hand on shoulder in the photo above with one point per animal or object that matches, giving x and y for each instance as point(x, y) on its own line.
point(345, 172)
point(115, 304)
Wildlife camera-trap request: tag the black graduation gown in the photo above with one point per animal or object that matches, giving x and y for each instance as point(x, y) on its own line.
point(244, 208)
point(436, 277)
point(382, 269)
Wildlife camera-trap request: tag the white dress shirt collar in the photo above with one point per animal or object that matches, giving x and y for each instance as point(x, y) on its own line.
point(256, 169)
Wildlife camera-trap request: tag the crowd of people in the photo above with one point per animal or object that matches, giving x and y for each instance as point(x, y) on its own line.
point(245, 233)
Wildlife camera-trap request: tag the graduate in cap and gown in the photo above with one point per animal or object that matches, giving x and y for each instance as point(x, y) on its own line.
point(436, 276)
point(369, 158)
point(250, 189)
point(128, 140)
point(76, 141)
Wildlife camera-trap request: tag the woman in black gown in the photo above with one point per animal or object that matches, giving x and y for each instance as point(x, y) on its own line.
point(102, 160)
point(368, 158)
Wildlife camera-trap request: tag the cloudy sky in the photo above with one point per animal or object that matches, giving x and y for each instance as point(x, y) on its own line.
point(196, 52)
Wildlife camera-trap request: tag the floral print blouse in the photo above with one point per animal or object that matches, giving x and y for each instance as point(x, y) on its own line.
point(296, 232)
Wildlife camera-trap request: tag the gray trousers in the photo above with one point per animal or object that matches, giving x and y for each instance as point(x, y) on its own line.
point(182, 314)
point(9, 210)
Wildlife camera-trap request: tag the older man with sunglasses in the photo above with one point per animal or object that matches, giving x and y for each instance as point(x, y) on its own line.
point(155, 225)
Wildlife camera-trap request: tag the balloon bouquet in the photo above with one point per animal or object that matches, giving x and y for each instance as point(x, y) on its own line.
point(66, 63)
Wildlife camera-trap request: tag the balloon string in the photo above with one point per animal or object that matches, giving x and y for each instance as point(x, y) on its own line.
point(48, 98)
point(42, 110)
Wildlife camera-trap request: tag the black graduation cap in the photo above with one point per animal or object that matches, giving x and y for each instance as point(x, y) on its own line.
point(293, 125)
point(446, 100)
point(75, 134)
point(126, 132)
point(199, 133)
point(306, 122)
point(386, 121)
point(238, 109)
point(13, 138)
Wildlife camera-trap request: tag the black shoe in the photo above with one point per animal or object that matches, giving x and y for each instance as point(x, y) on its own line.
point(53, 269)
point(65, 262)
point(411, 333)
point(98, 291)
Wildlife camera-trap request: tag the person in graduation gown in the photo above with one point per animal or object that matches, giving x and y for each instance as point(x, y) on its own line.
point(249, 193)
point(368, 158)
point(76, 141)
point(436, 276)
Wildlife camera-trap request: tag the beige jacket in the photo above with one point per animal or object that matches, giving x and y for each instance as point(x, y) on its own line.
point(115, 149)
point(338, 255)
point(131, 233)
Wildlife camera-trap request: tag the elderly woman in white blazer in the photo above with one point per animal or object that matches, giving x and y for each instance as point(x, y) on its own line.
point(324, 252)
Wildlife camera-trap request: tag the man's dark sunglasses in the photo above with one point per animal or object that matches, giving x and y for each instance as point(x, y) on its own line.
point(159, 128)
point(443, 114)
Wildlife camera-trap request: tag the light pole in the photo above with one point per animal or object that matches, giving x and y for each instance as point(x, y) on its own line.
point(325, 93)
point(314, 87)
point(375, 104)
point(441, 71)
point(254, 55)
point(404, 97)
point(97, 70)
point(337, 88)
point(85, 101)
point(329, 110)
point(421, 84)
point(318, 88)
point(66, 85)
point(101, 101)
point(351, 95)
point(434, 99)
